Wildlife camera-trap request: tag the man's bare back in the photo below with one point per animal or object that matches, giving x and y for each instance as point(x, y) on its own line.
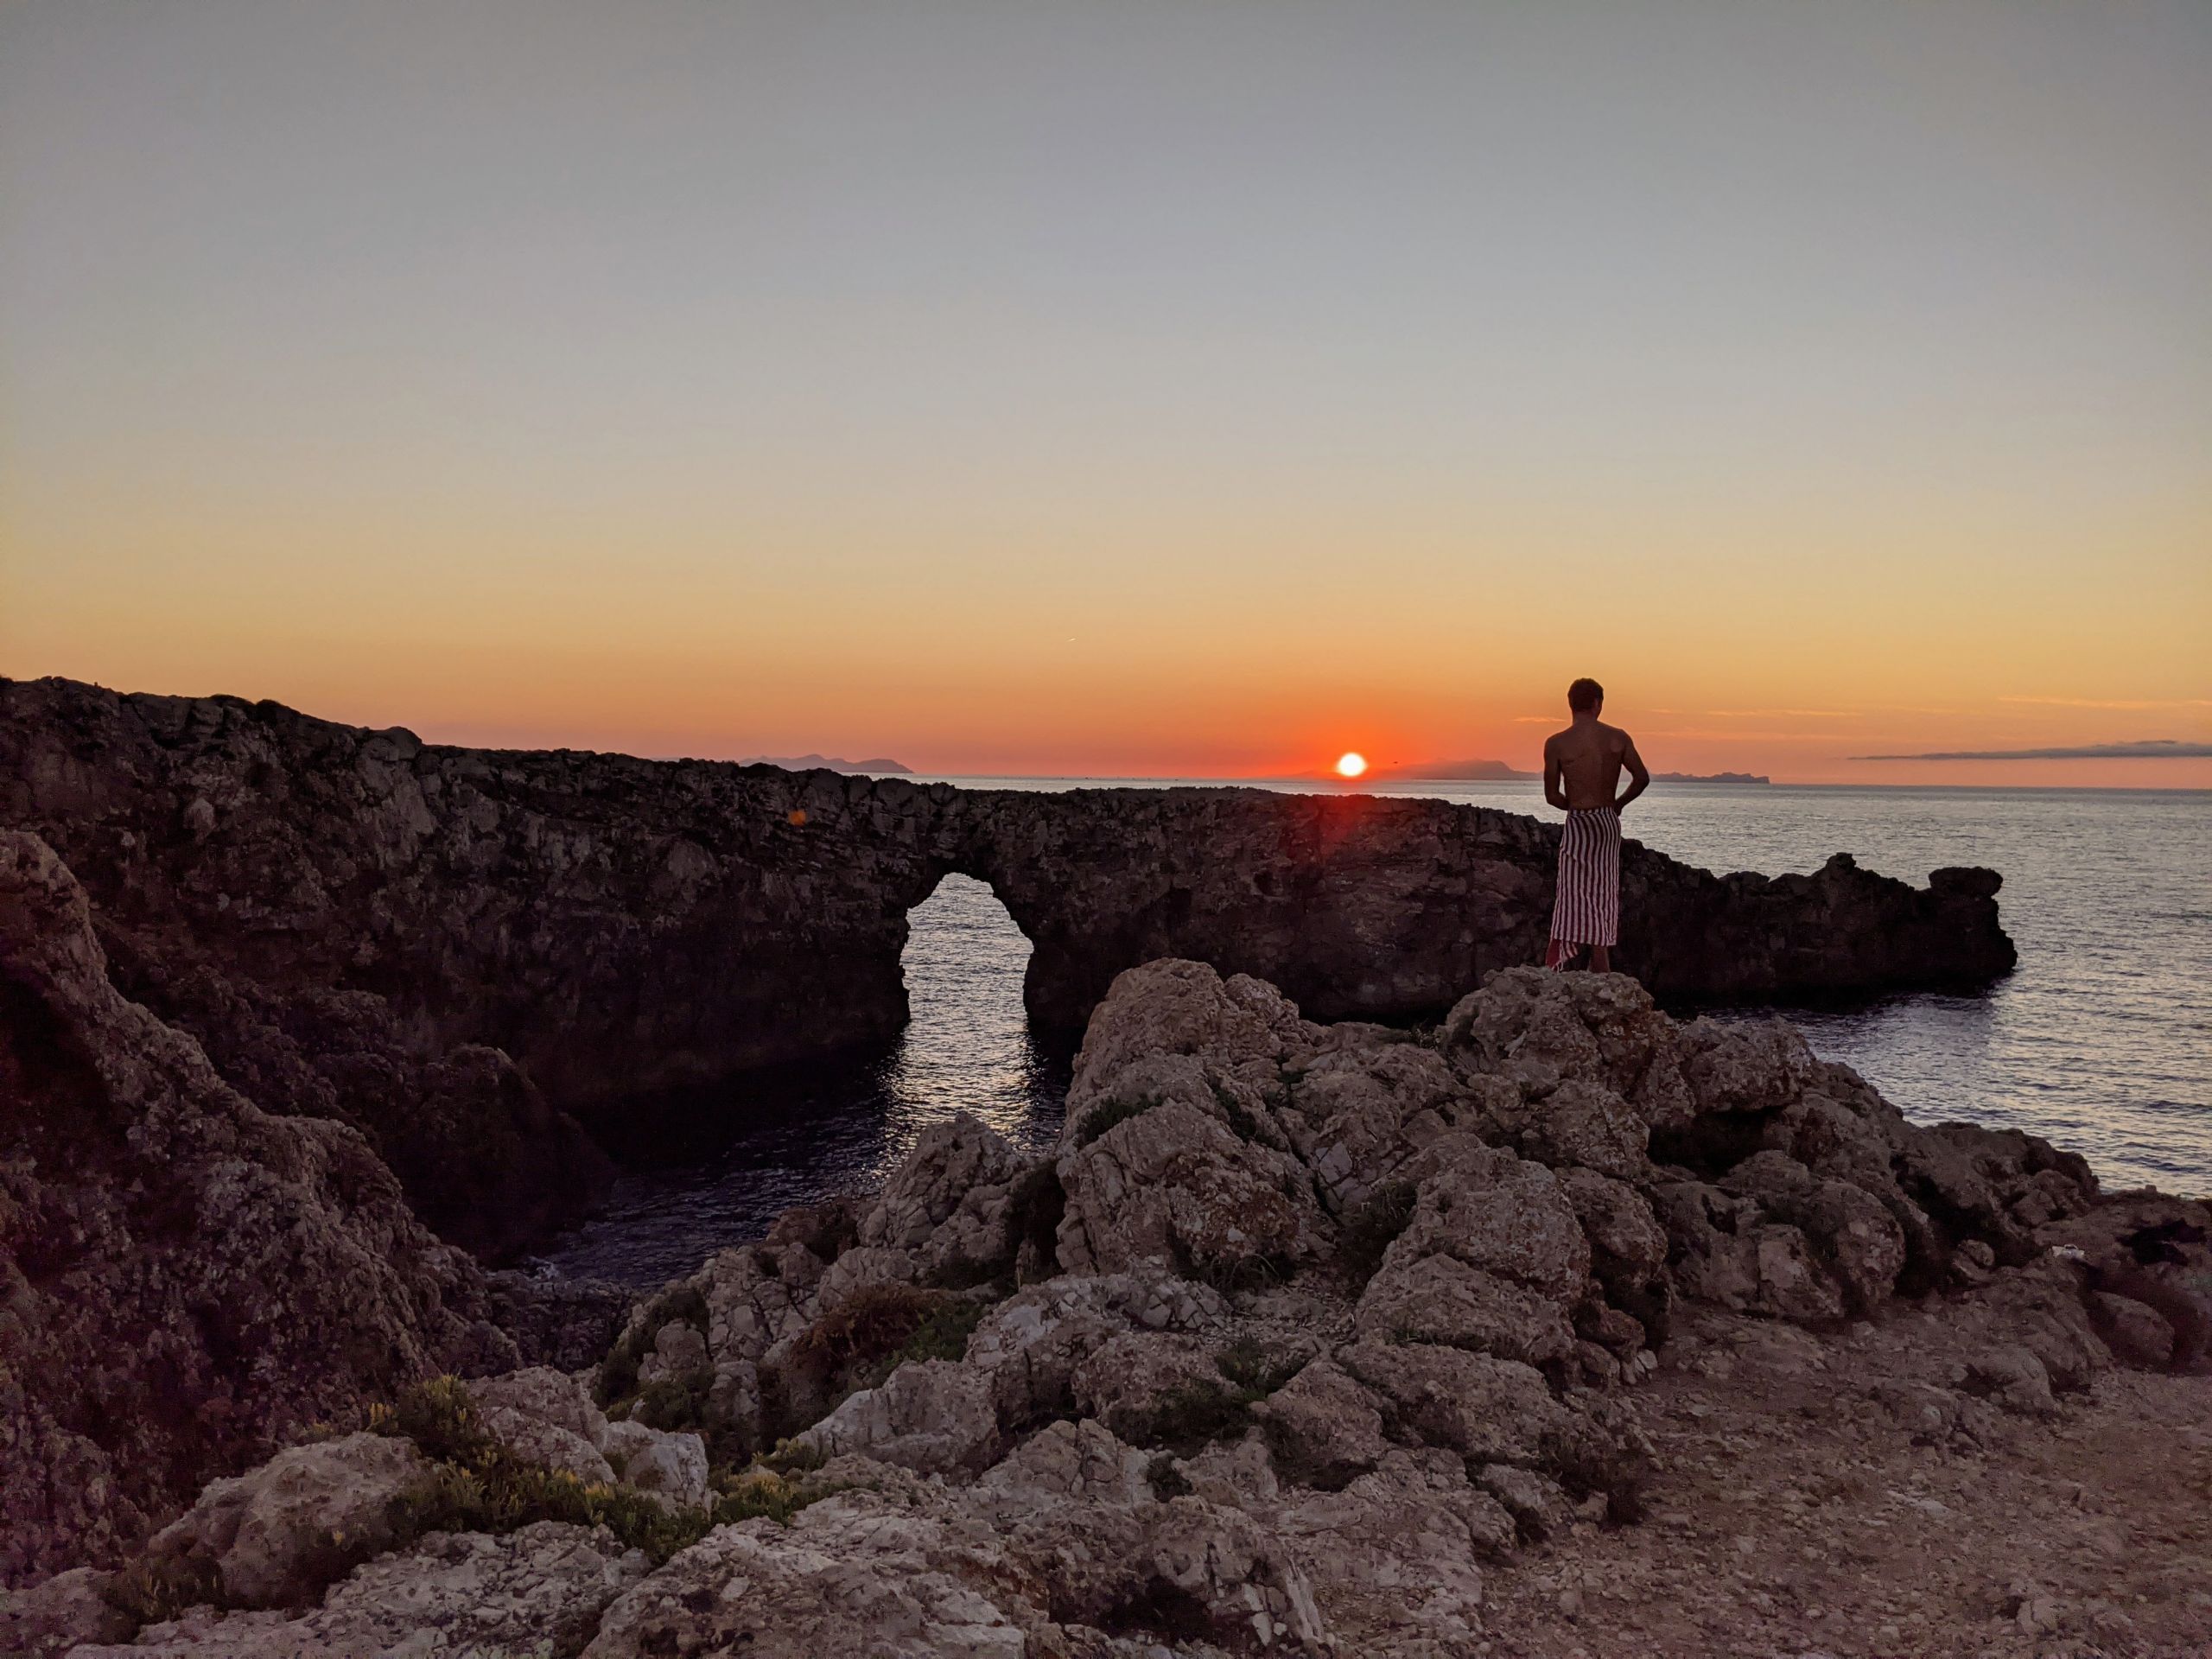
point(1583, 765)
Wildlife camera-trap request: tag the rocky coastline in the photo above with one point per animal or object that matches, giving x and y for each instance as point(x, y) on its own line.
point(1305, 1338)
point(483, 961)
point(1455, 1336)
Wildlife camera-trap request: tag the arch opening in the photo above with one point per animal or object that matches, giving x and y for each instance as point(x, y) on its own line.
point(715, 1166)
point(968, 1045)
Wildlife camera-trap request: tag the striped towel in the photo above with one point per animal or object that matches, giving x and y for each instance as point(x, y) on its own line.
point(1588, 908)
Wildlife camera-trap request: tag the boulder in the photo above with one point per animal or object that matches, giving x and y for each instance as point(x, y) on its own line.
point(673, 1465)
point(540, 1589)
point(275, 1536)
point(933, 1415)
point(1323, 1426)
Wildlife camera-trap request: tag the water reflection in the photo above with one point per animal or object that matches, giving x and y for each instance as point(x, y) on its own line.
point(815, 1130)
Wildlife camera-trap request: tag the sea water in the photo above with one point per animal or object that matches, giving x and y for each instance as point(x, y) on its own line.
point(2101, 1040)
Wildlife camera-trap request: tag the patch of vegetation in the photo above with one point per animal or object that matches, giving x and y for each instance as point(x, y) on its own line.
point(793, 1458)
point(618, 1372)
point(478, 1485)
point(1372, 1225)
point(1112, 1113)
point(1255, 1371)
point(765, 1492)
point(944, 1332)
point(500, 1492)
point(1236, 1275)
point(1188, 1417)
point(869, 1326)
point(155, 1590)
point(859, 1343)
point(675, 1402)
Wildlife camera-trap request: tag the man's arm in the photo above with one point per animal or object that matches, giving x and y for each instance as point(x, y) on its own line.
point(1554, 790)
point(1639, 775)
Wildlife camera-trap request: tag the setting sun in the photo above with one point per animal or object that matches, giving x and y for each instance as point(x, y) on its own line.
point(1350, 764)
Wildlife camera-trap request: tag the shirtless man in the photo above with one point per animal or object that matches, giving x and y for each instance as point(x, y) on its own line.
point(1582, 768)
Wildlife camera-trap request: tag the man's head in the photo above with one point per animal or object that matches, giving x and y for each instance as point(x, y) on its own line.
point(1586, 697)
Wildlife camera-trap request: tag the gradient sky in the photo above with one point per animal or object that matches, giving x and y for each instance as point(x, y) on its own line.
point(1136, 389)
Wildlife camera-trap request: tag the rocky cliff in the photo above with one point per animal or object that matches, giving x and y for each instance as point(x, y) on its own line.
point(459, 952)
point(182, 1277)
point(1304, 1339)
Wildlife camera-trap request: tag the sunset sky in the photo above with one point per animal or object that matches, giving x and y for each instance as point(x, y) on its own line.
point(1130, 389)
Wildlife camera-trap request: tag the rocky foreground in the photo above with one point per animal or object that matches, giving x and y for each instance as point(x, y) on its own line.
point(1564, 1327)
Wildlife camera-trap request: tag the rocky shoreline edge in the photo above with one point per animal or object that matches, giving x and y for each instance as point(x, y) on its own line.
point(1564, 1327)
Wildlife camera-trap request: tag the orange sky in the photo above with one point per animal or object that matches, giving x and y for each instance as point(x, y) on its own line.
point(1201, 394)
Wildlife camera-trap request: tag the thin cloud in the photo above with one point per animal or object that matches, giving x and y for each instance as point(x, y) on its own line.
point(2116, 702)
point(1784, 714)
point(2152, 748)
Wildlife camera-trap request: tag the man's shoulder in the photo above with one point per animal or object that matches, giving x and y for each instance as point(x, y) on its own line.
point(1617, 732)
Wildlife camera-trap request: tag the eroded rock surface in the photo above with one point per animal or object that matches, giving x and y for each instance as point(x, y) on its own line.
point(183, 1277)
point(460, 952)
point(1137, 1411)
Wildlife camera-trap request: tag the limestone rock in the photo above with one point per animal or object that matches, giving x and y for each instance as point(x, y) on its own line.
point(540, 1392)
point(671, 1465)
point(182, 1277)
point(933, 1414)
point(852, 1576)
point(1438, 1299)
point(539, 1589)
point(49, 1619)
point(1131, 1382)
point(277, 1536)
point(1323, 1426)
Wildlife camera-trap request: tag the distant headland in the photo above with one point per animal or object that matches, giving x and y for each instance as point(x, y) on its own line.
point(1709, 778)
point(1447, 771)
point(878, 767)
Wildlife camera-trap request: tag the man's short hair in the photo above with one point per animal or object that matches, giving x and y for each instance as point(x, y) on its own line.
point(1585, 694)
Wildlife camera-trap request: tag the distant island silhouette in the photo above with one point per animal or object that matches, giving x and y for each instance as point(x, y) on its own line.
point(1709, 778)
point(878, 767)
point(1446, 772)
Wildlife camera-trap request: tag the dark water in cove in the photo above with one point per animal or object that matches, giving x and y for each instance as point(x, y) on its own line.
point(2102, 1040)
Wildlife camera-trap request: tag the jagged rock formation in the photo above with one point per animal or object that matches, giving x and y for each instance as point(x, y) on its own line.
point(183, 1277)
point(359, 925)
point(1300, 1332)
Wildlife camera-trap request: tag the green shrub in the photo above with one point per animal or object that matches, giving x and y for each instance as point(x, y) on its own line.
point(154, 1590)
point(870, 1325)
point(618, 1372)
point(1255, 1371)
point(675, 1402)
point(1187, 1418)
point(763, 1491)
point(502, 1492)
point(943, 1331)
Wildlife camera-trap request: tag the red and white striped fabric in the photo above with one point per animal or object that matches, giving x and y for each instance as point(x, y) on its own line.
point(1588, 908)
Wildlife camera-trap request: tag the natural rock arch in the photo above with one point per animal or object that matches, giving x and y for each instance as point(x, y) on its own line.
point(298, 894)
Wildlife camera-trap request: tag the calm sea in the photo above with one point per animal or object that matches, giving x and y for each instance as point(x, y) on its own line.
point(2101, 1039)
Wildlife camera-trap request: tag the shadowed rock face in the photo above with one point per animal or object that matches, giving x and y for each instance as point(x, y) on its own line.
point(351, 921)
